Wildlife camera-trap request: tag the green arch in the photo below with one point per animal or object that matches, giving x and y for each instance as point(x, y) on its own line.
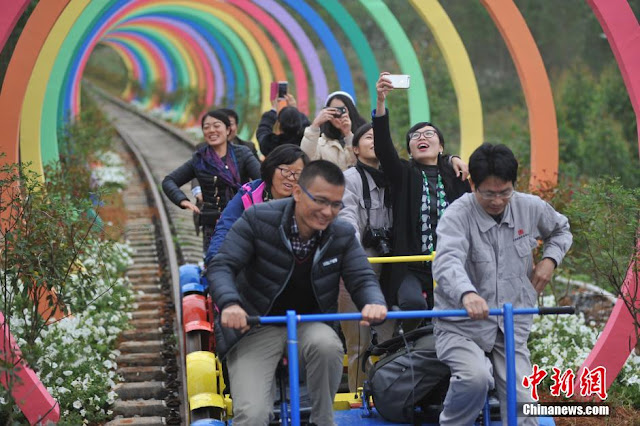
point(406, 56)
point(52, 109)
point(358, 41)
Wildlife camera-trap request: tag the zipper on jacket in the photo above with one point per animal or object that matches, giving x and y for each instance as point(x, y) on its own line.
point(287, 243)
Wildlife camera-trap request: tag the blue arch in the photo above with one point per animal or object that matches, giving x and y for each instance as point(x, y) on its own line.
point(331, 44)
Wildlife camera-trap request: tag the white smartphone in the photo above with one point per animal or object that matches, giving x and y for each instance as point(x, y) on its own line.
point(399, 81)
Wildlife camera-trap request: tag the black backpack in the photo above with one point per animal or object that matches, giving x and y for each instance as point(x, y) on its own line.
point(401, 393)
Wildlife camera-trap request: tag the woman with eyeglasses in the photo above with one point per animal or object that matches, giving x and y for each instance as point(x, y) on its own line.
point(279, 173)
point(421, 189)
point(330, 135)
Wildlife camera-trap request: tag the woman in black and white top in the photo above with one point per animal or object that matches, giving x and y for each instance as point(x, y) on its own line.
point(421, 189)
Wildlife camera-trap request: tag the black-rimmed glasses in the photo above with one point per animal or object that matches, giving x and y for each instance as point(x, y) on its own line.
point(427, 134)
point(286, 173)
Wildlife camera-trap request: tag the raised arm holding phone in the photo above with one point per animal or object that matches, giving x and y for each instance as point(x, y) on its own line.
point(422, 189)
point(291, 123)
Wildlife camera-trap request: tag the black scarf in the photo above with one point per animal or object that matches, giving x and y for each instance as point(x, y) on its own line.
point(379, 178)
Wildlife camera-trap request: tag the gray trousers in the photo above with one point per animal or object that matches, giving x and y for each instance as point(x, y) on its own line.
point(252, 364)
point(473, 373)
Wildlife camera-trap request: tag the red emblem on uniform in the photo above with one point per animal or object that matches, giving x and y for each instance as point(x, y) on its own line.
point(520, 231)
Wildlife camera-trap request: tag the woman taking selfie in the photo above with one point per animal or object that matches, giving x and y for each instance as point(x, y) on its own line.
point(422, 188)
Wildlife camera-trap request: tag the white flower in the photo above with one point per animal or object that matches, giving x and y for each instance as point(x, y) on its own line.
point(67, 373)
point(77, 404)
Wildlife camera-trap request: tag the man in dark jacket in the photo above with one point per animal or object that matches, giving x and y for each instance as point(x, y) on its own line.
point(290, 254)
point(233, 133)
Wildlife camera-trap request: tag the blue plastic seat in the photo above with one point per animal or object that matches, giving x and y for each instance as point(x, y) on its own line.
point(189, 273)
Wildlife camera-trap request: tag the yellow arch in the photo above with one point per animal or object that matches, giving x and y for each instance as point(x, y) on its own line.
point(31, 115)
point(461, 72)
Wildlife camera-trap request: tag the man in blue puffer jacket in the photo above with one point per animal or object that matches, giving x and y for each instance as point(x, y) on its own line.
point(289, 254)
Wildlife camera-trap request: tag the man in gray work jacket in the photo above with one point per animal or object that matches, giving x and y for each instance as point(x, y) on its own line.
point(484, 259)
point(290, 254)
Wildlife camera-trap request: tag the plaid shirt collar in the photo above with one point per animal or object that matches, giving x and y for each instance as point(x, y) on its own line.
point(302, 248)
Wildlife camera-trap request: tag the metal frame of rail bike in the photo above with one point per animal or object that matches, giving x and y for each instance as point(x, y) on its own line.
point(291, 319)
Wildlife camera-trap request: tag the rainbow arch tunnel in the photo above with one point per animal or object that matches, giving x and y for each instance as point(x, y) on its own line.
point(231, 50)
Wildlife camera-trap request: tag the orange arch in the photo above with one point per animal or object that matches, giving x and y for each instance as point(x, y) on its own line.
point(543, 126)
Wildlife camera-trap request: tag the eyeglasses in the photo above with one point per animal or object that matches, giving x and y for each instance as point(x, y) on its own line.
point(335, 205)
point(490, 195)
point(286, 173)
point(427, 134)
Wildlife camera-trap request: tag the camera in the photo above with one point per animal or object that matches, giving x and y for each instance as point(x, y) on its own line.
point(341, 111)
point(379, 239)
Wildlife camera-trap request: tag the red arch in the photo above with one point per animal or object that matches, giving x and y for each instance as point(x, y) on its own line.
point(11, 12)
point(619, 335)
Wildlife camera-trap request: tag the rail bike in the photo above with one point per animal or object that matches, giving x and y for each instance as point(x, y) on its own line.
point(211, 405)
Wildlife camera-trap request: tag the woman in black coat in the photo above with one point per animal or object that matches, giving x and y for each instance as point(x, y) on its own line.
point(420, 189)
point(292, 123)
point(220, 167)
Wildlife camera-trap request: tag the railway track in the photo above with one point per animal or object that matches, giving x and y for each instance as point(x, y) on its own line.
point(152, 352)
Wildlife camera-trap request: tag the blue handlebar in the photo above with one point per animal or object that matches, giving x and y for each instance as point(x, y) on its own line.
point(356, 316)
point(291, 319)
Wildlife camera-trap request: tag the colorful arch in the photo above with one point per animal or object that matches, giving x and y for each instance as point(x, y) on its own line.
point(16, 80)
point(106, 22)
point(237, 47)
point(358, 41)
